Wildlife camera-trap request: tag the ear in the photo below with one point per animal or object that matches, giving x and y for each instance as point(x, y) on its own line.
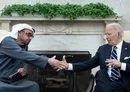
point(20, 33)
point(120, 34)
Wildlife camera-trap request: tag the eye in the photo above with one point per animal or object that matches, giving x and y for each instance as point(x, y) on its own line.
point(29, 34)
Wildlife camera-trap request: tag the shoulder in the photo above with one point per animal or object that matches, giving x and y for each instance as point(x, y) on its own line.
point(8, 38)
point(8, 41)
point(126, 45)
point(105, 46)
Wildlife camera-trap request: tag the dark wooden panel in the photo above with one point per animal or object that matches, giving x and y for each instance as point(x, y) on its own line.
point(62, 81)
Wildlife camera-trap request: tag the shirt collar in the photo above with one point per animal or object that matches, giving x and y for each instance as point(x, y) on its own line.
point(119, 45)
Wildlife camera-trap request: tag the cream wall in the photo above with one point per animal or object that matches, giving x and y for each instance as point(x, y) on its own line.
point(127, 35)
point(3, 33)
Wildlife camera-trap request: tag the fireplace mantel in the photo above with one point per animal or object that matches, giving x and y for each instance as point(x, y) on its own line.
point(40, 18)
point(7, 21)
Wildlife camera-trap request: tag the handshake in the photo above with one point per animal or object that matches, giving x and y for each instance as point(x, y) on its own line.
point(57, 64)
point(53, 62)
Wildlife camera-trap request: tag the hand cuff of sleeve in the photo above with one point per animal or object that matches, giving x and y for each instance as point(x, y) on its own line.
point(70, 66)
point(123, 66)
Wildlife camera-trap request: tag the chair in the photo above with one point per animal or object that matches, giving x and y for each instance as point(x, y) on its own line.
point(91, 84)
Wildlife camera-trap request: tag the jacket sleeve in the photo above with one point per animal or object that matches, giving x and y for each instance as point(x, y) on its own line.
point(12, 49)
point(86, 65)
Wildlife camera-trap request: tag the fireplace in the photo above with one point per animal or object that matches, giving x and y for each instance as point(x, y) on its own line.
point(62, 81)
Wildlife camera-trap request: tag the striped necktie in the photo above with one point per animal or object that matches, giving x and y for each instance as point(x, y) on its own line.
point(115, 73)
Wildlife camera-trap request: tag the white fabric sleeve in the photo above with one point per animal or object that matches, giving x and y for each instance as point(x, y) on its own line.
point(70, 66)
point(123, 66)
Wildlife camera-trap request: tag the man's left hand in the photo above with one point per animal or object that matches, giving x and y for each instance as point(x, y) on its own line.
point(114, 63)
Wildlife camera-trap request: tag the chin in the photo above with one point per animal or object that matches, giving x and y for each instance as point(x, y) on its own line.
point(110, 44)
point(26, 43)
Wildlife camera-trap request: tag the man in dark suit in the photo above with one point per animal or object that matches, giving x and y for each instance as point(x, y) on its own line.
point(109, 59)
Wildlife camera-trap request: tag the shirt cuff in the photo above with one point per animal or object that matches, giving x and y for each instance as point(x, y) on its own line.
point(123, 66)
point(70, 66)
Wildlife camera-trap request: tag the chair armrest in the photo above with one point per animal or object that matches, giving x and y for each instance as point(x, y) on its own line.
point(91, 84)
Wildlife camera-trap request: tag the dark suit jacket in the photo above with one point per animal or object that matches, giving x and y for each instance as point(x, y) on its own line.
point(100, 57)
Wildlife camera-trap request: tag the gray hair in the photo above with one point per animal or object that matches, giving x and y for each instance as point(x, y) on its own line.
point(116, 26)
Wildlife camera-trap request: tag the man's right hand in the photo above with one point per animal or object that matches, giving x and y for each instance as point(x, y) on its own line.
point(63, 63)
point(56, 64)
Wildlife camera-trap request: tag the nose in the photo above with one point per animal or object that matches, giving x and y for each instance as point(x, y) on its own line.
point(30, 37)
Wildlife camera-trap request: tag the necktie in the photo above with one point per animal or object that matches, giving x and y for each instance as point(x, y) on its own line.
point(115, 73)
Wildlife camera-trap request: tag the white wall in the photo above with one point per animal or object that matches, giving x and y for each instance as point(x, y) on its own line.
point(67, 43)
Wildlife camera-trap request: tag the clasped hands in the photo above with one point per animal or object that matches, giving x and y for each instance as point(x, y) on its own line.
point(57, 64)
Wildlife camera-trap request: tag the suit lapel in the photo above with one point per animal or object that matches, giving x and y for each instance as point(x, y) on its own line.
point(108, 52)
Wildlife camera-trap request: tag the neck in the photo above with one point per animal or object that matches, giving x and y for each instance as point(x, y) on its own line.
point(117, 42)
point(19, 42)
